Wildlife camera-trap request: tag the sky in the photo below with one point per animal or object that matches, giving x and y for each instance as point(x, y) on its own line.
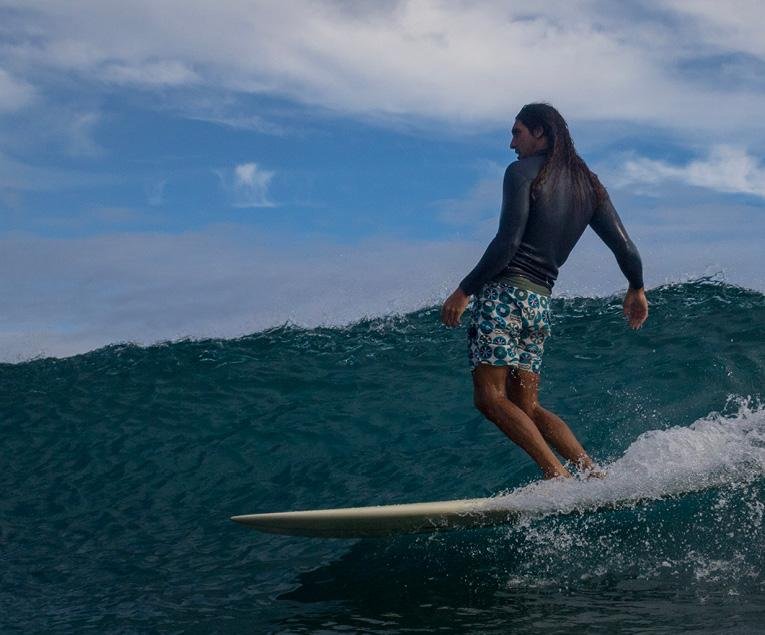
point(176, 169)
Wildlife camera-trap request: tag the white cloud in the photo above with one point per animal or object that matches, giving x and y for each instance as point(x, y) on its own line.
point(238, 121)
point(726, 169)
point(251, 186)
point(162, 73)
point(436, 59)
point(14, 94)
point(732, 26)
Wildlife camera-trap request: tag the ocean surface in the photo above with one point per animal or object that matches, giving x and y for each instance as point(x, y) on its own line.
point(120, 469)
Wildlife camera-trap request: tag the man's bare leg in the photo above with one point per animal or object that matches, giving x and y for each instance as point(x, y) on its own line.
point(490, 397)
point(522, 388)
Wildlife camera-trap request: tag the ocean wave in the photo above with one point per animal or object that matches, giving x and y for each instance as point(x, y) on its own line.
point(711, 292)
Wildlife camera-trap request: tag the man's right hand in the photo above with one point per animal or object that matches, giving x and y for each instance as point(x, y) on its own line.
point(454, 307)
point(635, 307)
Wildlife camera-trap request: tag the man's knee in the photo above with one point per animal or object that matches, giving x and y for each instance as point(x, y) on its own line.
point(485, 401)
point(489, 389)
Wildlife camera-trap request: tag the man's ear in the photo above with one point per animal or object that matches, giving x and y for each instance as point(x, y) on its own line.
point(538, 132)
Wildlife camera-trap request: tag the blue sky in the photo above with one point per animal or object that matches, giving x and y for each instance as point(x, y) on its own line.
point(173, 169)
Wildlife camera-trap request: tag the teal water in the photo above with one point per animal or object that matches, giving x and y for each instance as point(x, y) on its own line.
point(121, 467)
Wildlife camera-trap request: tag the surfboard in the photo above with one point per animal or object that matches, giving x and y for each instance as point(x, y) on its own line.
point(358, 522)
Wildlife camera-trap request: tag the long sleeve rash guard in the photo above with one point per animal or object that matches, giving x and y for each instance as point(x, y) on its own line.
point(535, 238)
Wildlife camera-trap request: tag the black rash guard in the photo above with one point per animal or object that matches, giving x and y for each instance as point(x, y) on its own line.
point(535, 238)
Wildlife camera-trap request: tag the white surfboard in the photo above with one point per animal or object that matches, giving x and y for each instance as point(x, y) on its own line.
point(356, 522)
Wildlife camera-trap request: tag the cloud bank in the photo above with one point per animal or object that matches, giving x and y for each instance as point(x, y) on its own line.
point(433, 59)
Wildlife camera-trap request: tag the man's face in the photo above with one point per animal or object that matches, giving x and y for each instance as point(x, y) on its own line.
point(523, 142)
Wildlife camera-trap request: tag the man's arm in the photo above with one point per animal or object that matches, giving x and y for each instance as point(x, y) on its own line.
point(516, 190)
point(607, 224)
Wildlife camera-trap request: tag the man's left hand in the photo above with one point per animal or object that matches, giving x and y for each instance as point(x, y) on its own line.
point(454, 307)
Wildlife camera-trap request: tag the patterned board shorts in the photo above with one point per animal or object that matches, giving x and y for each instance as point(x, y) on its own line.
point(508, 327)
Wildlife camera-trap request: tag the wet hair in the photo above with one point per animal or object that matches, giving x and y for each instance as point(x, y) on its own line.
point(561, 156)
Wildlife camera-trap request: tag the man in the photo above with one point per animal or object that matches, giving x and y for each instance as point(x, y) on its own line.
point(549, 198)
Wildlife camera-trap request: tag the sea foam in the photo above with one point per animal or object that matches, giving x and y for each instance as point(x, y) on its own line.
point(714, 451)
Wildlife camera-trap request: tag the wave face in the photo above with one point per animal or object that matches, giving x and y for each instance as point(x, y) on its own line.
point(122, 466)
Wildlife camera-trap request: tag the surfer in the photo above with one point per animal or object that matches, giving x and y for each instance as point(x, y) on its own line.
point(550, 196)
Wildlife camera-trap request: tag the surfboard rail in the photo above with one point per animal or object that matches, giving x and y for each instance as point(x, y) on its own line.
point(381, 520)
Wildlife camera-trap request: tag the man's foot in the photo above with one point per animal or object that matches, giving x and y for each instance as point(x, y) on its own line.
point(588, 469)
point(560, 473)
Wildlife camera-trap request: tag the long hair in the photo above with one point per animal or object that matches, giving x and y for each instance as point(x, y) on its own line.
point(561, 156)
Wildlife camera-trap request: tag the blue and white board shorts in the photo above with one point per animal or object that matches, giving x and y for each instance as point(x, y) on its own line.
point(508, 327)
